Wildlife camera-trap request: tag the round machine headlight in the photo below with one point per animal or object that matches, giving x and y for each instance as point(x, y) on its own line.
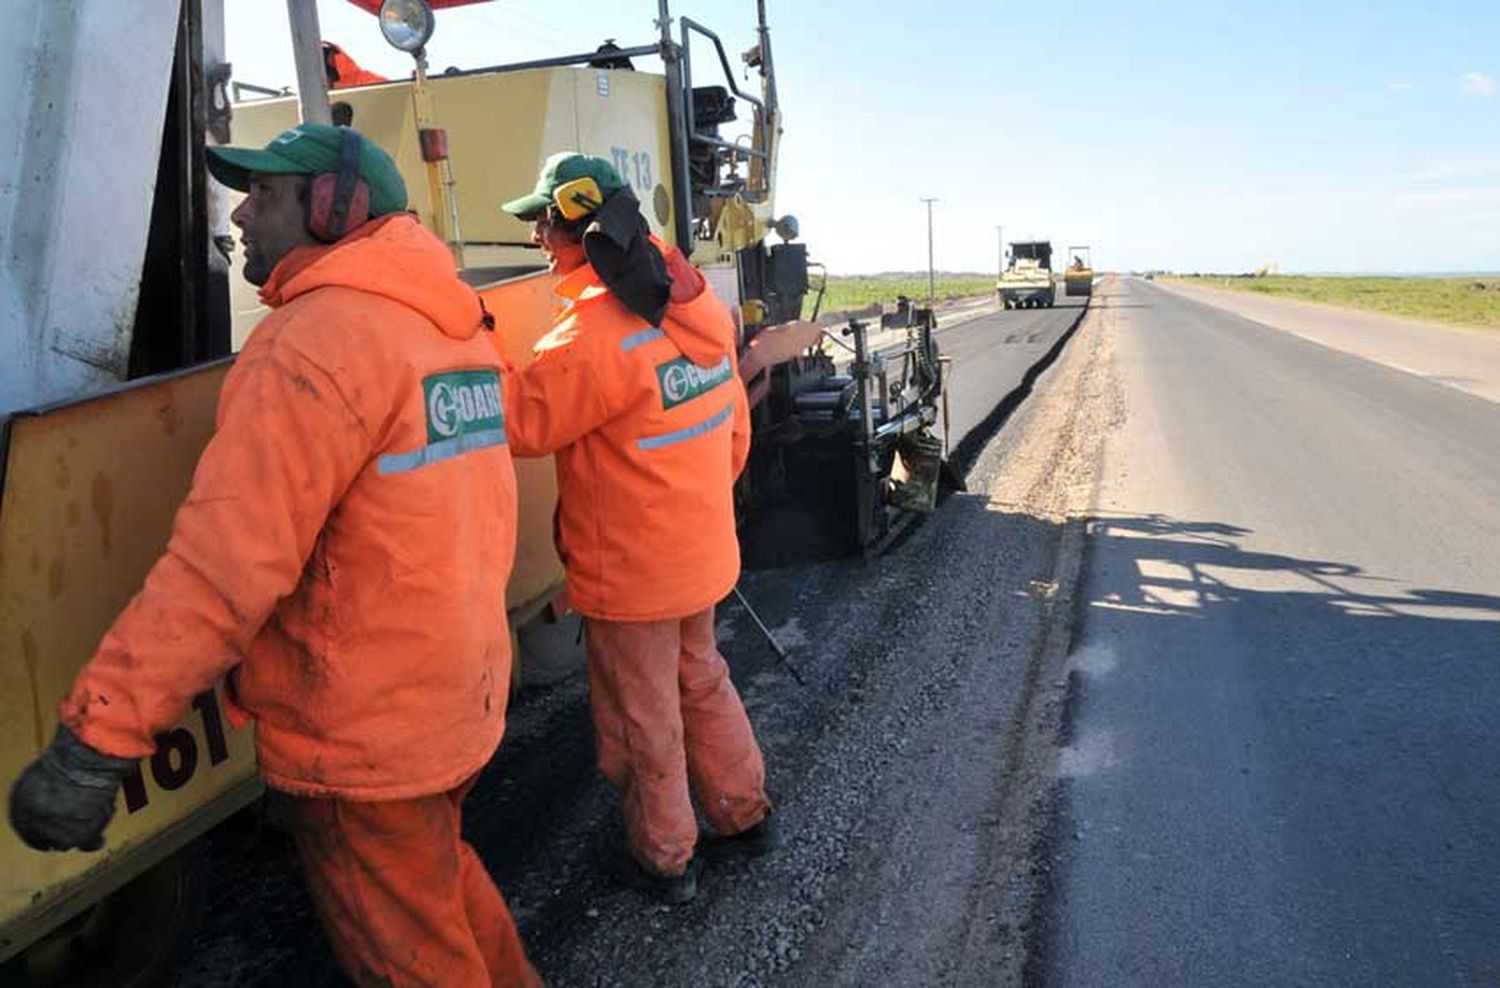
point(406, 24)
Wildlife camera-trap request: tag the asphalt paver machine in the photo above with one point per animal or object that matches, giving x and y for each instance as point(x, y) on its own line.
point(121, 306)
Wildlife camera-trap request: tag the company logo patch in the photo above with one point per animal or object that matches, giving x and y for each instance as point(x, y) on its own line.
point(682, 380)
point(460, 403)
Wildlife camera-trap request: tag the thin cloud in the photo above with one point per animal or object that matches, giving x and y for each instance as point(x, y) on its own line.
point(1400, 87)
point(1468, 202)
point(1478, 84)
point(1453, 171)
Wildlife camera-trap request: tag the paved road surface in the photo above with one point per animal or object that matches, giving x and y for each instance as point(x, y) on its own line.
point(1283, 761)
point(1466, 359)
point(992, 355)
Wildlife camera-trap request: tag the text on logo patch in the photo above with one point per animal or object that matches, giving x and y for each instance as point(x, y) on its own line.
point(462, 402)
point(682, 380)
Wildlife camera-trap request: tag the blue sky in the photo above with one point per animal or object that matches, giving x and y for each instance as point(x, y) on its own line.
point(1319, 136)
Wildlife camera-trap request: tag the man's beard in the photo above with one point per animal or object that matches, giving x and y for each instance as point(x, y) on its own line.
point(257, 271)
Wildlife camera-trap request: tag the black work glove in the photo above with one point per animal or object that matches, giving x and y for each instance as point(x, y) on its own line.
point(618, 245)
point(64, 799)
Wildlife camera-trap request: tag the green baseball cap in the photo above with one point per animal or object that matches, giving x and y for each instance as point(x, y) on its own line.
point(311, 149)
point(560, 169)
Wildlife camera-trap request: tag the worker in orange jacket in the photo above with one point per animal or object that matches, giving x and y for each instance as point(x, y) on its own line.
point(343, 72)
point(342, 557)
point(642, 406)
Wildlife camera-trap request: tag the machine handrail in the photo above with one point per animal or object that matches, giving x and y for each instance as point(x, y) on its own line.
point(689, 26)
point(559, 61)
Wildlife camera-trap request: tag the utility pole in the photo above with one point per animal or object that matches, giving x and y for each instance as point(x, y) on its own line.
point(1001, 231)
point(931, 278)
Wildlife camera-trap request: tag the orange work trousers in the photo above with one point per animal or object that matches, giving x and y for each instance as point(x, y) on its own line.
point(403, 899)
point(668, 720)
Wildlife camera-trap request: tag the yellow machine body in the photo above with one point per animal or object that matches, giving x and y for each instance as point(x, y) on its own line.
point(501, 127)
point(1079, 278)
point(89, 492)
point(1079, 281)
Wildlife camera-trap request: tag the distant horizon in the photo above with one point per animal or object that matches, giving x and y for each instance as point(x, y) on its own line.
point(894, 274)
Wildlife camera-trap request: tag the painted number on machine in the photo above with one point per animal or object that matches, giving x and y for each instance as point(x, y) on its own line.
point(635, 168)
point(178, 754)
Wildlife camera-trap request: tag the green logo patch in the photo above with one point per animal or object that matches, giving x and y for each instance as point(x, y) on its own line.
point(682, 380)
point(461, 403)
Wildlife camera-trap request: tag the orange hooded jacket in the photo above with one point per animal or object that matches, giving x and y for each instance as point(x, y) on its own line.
point(343, 71)
point(344, 548)
point(650, 427)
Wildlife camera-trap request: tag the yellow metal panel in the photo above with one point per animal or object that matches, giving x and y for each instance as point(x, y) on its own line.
point(506, 255)
point(523, 311)
point(736, 226)
point(89, 494)
point(501, 127)
point(498, 127)
point(622, 116)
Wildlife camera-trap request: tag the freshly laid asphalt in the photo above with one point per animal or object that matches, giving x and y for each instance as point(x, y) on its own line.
point(993, 354)
point(1282, 762)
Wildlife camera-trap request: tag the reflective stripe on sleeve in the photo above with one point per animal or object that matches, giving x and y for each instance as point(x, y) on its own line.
point(640, 339)
point(691, 432)
point(437, 452)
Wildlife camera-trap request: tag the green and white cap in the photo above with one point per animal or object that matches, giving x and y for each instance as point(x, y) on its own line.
point(559, 170)
point(311, 149)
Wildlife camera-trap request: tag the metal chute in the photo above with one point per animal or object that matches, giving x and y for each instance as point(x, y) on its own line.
point(67, 308)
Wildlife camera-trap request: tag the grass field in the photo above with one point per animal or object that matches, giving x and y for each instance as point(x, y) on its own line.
point(857, 291)
point(1471, 301)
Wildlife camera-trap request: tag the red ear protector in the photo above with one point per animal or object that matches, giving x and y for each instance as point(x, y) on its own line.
point(339, 202)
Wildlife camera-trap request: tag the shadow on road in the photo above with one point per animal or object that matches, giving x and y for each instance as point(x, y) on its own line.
point(1189, 569)
point(1290, 751)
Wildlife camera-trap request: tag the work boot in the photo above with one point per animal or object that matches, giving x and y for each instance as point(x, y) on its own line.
point(672, 890)
point(760, 838)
